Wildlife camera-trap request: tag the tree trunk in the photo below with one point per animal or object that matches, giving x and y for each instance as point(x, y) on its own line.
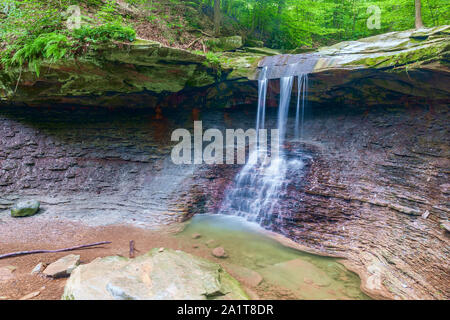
point(419, 23)
point(217, 17)
point(281, 5)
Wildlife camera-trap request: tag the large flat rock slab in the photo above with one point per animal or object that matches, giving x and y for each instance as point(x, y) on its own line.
point(157, 275)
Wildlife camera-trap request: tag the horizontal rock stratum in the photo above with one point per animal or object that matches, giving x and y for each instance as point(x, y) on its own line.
point(375, 70)
point(409, 66)
point(166, 275)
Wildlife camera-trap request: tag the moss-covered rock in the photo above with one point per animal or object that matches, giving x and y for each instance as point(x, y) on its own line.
point(240, 65)
point(116, 75)
point(25, 208)
point(108, 69)
point(224, 43)
point(394, 50)
point(389, 68)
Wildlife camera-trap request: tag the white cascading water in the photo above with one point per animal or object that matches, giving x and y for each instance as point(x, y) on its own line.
point(302, 87)
point(261, 183)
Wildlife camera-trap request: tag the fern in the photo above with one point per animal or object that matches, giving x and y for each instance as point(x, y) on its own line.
point(49, 46)
point(104, 33)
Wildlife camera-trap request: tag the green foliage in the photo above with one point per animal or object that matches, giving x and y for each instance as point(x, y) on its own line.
point(106, 14)
point(35, 30)
point(294, 23)
point(136, 2)
point(104, 33)
point(50, 46)
point(212, 59)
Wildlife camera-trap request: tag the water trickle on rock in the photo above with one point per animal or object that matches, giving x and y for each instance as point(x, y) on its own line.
point(262, 182)
point(302, 89)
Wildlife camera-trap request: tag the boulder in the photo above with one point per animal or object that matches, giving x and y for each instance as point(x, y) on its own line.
point(167, 275)
point(225, 43)
point(25, 208)
point(62, 267)
point(219, 252)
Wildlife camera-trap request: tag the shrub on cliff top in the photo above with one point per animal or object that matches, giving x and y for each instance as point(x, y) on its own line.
point(104, 33)
point(33, 30)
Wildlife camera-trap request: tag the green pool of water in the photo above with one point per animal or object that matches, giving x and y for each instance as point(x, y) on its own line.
point(305, 275)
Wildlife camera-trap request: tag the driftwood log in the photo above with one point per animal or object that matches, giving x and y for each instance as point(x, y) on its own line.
point(22, 253)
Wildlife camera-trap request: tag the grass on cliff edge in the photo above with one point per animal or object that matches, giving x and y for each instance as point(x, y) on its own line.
point(35, 30)
point(32, 31)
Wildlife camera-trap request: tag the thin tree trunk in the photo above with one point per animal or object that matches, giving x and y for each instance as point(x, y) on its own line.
point(281, 5)
point(217, 17)
point(418, 5)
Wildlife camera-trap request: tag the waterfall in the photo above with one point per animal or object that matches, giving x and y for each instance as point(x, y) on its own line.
point(302, 88)
point(262, 94)
point(261, 183)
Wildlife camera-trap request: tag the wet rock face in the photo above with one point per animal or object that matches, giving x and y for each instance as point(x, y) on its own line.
point(85, 164)
point(373, 176)
point(100, 166)
point(62, 151)
point(375, 192)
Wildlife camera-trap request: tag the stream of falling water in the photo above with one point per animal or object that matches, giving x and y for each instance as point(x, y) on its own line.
point(261, 184)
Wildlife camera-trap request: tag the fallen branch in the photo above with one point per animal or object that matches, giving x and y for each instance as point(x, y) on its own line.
point(193, 42)
point(202, 32)
point(22, 253)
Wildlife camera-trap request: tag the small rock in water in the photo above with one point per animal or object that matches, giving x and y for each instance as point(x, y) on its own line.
point(30, 295)
point(25, 208)
point(219, 252)
point(62, 267)
point(38, 268)
point(196, 236)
